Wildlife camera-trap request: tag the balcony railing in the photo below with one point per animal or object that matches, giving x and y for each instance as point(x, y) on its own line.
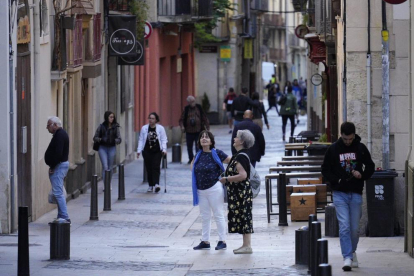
point(74, 40)
point(184, 10)
point(260, 5)
point(274, 20)
point(118, 5)
point(97, 37)
point(277, 54)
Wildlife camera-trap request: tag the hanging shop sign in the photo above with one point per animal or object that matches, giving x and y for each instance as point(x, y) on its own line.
point(225, 53)
point(301, 31)
point(248, 48)
point(316, 79)
point(139, 57)
point(208, 49)
point(122, 30)
point(23, 30)
point(395, 2)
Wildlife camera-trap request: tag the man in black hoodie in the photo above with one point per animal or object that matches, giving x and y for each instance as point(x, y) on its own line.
point(343, 169)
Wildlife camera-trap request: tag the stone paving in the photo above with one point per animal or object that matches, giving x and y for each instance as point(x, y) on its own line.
point(153, 234)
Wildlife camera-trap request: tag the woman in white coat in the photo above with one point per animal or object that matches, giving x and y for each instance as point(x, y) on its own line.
point(153, 145)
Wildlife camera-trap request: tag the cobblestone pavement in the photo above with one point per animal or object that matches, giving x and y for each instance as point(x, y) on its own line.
point(153, 234)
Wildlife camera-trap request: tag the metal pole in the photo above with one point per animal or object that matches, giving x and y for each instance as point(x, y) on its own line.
point(322, 251)
point(23, 267)
point(314, 236)
point(11, 95)
point(325, 270)
point(268, 199)
point(107, 193)
point(94, 198)
point(281, 183)
point(121, 183)
point(311, 219)
point(385, 92)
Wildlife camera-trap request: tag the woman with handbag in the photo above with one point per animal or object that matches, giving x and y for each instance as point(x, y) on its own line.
point(237, 180)
point(153, 145)
point(107, 136)
point(208, 192)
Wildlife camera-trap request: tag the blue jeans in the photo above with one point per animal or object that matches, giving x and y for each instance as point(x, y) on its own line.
point(348, 211)
point(191, 139)
point(56, 179)
point(107, 156)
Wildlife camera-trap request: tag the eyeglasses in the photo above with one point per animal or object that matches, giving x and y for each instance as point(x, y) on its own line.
point(48, 125)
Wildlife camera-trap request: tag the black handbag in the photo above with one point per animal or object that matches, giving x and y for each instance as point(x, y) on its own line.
point(95, 146)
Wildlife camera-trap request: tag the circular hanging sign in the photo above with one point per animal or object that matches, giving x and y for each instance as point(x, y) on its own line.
point(301, 31)
point(148, 30)
point(395, 2)
point(122, 41)
point(139, 52)
point(316, 79)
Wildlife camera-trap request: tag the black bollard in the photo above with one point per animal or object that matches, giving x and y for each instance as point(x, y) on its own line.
point(281, 183)
point(325, 270)
point(331, 221)
point(23, 267)
point(107, 193)
point(311, 219)
point(176, 153)
point(288, 152)
point(302, 246)
point(121, 183)
point(322, 251)
point(145, 174)
point(315, 235)
point(94, 198)
point(59, 241)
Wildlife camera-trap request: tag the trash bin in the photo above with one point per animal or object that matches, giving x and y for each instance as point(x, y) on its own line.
point(309, 135)
point(380, 204)
point(59, 241)
point(317, 149)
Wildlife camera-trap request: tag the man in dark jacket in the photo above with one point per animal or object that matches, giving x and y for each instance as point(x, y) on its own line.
point(56, 157)
point(240, 105)
point(343, 169)
point(258, 149)
point(193, 120)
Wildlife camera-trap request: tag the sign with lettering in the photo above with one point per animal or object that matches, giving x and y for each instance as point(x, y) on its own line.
point(122, 32)
point(139, 57)
point(225, 53)
point(23, 30)
point(248, 48)
point(208, 49)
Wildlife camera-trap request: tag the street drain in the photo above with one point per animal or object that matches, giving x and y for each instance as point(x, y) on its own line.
point(16, 244)
point(183, 266)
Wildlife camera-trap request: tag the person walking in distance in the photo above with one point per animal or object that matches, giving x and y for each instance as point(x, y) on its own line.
point(228, 101)
point(193, 120)
point(259, 112)
point(56, 157)
point(288, 110)
point(240, 105)
point(347, 164)
point(153, 145)
point(108, 136)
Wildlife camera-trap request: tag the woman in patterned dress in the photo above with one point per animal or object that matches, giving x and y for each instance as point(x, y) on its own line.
point(239, 192)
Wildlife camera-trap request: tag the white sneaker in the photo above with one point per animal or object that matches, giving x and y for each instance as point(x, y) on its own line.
point(354, 260)
point(150, 189)
point(347, 265)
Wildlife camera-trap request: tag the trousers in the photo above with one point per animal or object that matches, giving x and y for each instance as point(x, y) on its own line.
point(152, 161)
point(56, 179)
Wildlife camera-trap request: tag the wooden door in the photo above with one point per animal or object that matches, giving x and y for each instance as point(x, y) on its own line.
point(24, 147)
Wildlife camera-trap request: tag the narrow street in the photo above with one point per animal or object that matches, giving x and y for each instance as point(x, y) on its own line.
point(153, 234)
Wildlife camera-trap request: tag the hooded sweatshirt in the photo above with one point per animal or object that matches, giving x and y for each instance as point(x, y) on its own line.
point(339, 162)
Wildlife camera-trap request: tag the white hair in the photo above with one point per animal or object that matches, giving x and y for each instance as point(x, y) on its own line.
point(190, 99)
point(55, 120)
point(246, 137)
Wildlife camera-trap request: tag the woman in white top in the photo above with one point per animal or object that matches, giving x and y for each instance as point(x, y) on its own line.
point(153, 145)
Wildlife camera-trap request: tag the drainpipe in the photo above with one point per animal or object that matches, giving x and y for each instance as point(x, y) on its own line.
point(410, 105)
point(344, 104)
point(369, 64)
point(385, 92)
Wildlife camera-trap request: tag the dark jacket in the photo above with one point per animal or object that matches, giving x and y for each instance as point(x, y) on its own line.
point(258, 149)
point(200, 119)
point(58, 149)
point(340, 160)
point(290, 107)
point(108, 137)
point(259, 112)
point(240, 105)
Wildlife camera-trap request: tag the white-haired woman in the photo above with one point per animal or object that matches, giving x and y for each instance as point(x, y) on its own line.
point(239, 192)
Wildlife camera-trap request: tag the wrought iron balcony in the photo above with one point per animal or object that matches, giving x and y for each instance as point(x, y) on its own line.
point(274, 21)
point(118, 5)
point(260, 5)
point(277, 55)
point(184, 11)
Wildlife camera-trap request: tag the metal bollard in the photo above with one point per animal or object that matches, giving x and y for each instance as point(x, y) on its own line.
point(121, 183)
point(164, 161)
point(23, 267)
point(322, 251)
point(302, 246)
point(59, 241)
point(94, 198)
point(311, 219)
point(315, 235)
point(331, 221)
point(107, 193)
point(176, 153)
point(281, 183)
point(325, 270)
point(288, 152)
point(145, 174)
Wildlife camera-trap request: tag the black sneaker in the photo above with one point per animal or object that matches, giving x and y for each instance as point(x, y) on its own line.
point(202, 246)
point(221, 246)
point(189, 162)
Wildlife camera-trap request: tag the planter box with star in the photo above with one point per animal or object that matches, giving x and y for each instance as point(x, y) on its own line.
point(302, 205)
